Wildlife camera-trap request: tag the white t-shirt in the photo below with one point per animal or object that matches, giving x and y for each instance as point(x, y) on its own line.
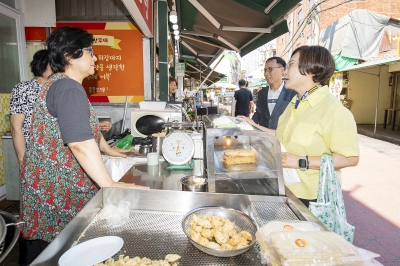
point(273, 97)
point(212, 94)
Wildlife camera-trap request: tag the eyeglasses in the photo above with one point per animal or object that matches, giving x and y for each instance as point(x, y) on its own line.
point(90, 50)
point(269, 69)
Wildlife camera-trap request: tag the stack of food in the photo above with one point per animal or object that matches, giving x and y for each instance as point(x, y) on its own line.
point(241, 160)
point(243, 156)
point(303, 243)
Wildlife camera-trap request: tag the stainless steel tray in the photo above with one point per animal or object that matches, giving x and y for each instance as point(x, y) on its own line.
point(154, 227)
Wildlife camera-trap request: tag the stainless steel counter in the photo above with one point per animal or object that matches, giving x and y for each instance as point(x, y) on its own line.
point(156, 177)
point(154, 226)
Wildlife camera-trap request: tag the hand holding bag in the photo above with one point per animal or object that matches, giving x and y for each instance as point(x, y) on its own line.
point(329, 208)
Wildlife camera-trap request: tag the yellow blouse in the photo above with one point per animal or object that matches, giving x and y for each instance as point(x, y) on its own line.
point(320, 125)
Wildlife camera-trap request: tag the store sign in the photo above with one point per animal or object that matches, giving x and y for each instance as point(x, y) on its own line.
point(336, 84)
point(142, 12)
point(180, 69)
point(117, 72)
point(224, 79)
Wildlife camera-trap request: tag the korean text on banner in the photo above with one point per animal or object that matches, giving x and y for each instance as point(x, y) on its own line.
point(180, 69)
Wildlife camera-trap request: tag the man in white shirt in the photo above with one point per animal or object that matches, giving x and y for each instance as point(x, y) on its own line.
point(273, 99)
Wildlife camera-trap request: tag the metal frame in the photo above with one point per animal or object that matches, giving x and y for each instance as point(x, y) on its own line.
point(210, 134)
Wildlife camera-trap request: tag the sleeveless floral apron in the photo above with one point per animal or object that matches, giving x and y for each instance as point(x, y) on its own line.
point(54, 187)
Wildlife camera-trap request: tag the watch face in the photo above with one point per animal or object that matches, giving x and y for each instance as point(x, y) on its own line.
point(302, 164)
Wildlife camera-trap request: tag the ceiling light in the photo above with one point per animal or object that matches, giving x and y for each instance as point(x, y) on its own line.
point(177, 37)
point(175, 27)
point(173, 17)
point(176, 32)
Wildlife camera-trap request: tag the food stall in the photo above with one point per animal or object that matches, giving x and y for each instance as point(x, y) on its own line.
point(154, 227)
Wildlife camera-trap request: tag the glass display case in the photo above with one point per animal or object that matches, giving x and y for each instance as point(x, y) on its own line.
point(262, 177)
point(227, 103)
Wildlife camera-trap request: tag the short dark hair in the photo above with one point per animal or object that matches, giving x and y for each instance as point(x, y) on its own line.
point(172, 79)
point(66, 41)
point(278, 60)
point(242, 82)
point(316, 61)
point(39, 63)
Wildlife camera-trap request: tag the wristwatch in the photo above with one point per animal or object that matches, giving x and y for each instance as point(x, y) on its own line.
point(303, 162)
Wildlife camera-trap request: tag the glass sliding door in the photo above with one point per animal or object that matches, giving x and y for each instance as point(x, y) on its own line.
point(13, 66)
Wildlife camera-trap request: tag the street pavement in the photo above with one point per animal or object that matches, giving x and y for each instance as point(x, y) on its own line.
point(371, 192)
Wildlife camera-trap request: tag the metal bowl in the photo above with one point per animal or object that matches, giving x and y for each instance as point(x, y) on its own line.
point(188, 184)
point(241, 220)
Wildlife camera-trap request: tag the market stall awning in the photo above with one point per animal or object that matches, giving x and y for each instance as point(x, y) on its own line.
point(207, 27)
point(223, 85)
point(200, 75)
point(372, 64)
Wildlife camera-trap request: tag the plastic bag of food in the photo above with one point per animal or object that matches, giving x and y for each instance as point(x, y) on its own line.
point(116, 216)
point(318, 248)
point(279, 226)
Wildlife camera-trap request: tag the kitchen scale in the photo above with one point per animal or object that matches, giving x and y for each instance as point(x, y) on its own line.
point(178, 150)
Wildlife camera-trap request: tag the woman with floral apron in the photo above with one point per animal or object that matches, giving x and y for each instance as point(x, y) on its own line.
point(62, 168)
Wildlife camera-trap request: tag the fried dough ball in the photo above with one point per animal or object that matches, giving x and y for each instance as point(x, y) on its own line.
point(213, 245)
point(221, 238)
point(194, 235)
point(217, 221)
point(228, 226)
point(204, 223)
point(242, 244)
point(203, 241)
point(246, 235)
point(172, 257)
point(236, 239)
point(226, 246)
point(208, 233)
point(197, 228)
point(232, 232)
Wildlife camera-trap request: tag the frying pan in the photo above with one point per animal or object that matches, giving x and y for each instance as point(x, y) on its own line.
point(149, 124)
point(8, 237)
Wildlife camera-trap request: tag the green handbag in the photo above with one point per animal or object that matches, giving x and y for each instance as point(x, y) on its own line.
point(329, 208)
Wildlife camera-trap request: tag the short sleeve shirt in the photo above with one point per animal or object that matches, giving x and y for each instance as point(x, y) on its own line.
point(22, 101)
point(73, 119)
point(243, 97)
point(320, 125)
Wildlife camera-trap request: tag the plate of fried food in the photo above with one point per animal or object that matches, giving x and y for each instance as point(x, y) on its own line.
point(220, 231)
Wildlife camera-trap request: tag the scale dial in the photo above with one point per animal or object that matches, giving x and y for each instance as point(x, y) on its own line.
point(178, 148)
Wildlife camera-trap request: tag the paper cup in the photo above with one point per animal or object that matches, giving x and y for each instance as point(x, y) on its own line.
point(152, 158)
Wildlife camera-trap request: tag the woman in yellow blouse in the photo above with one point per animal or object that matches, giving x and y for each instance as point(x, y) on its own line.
point(315, 122)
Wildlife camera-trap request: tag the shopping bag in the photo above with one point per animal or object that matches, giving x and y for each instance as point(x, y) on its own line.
point(116, 167)
point(329, 208)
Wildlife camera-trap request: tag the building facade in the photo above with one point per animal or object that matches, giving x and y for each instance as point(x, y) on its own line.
point(309, 17)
